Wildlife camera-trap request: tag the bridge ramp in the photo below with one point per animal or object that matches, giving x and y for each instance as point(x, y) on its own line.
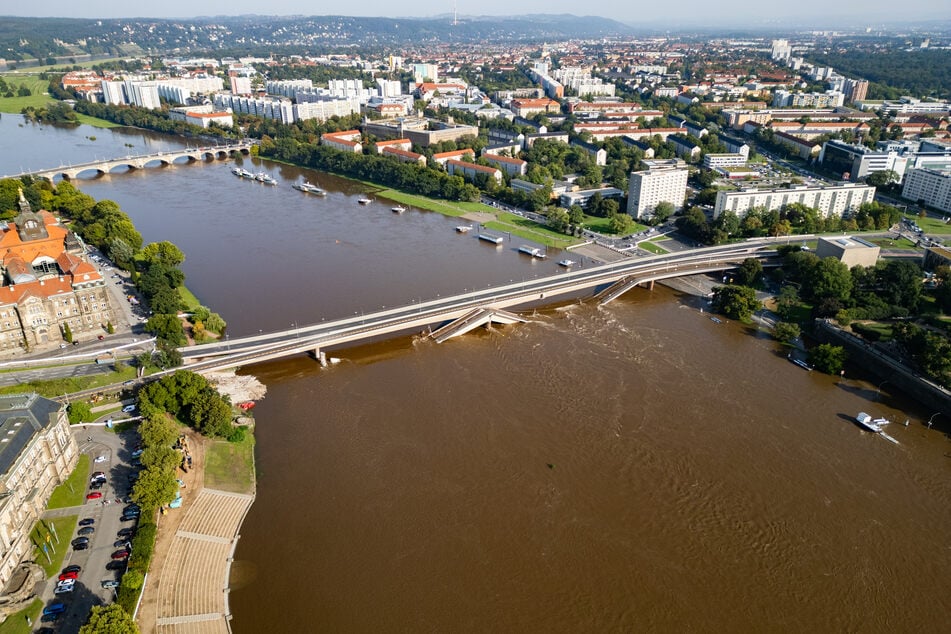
point(473, 319)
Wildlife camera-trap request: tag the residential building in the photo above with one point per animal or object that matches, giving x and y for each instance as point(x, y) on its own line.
point(399, 144)
point(37, 453)
point(832, 200)
point(929, 186)
point(403, 156)
point(781, 50)
point(685, 147)
point(828, 99)
point(511, 166)
point(528, 107)
point(143, 94)
point(443, 157)
point(202, 116)
point(47, 284)
point(803, 148)
point(470, 170)
point(599, 154)
point(420, 130)
point(662, 181)
point(240, 84)
point(286, 87)
point(345, 141)
point(113, 93)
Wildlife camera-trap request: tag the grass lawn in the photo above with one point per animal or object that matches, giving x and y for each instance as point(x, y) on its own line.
point(799, 314)
point(883, 330)
point(188, 298)
point(603, 225)
point(930, 225)
point(652, 248)
point(71, 492)
point(229, 466)
point(39, 99)
point(16, 623)
point(65, 528)
point(57, 387)
point(888, 243)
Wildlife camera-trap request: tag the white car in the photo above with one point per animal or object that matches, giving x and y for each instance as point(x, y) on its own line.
point(128, 408)
point(101, 458)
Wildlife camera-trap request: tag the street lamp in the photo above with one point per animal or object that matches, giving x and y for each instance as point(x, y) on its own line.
point(932, 418)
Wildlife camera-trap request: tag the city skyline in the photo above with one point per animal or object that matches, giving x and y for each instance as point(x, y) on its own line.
point(688, 12)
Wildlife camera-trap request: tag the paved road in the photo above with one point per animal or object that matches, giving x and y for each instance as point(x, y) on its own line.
point(95, 441)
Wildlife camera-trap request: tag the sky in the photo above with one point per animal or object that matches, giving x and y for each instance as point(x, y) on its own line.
point(628, 11)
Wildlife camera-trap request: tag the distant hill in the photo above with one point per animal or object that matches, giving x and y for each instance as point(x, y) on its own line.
point(41, 38)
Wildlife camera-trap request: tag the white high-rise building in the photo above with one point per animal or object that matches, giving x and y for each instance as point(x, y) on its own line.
point(112, 93)
point(662, 181)
point(832, 200)
point(933, 186)
point(782, 51)
point(143, 94)
point(388, 88)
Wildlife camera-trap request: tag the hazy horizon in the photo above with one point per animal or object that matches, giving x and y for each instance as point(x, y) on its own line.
point(686, 12)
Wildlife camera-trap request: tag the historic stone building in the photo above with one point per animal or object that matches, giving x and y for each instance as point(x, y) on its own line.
point(47, 283)
point(37, 453)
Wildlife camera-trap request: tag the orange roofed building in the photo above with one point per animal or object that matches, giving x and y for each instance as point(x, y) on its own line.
point(46, 283)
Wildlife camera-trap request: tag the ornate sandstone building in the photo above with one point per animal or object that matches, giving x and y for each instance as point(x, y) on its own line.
point(47, 283)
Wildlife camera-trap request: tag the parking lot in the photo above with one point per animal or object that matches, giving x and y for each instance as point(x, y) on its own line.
point(110, 454)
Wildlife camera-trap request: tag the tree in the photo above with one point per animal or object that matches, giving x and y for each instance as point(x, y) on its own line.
point(215, 323)
point(154, 488)
point(163, 253)
point(663, 211)
point(79, 412)
point(785, 331)
point(827, 358)
point(750, 273)
point(67, 333)
point(109, 619)
point(621, 224)
point(829, 279)
point(883, 178)
point(167, 328)
point(788, 299)
point(736, 302)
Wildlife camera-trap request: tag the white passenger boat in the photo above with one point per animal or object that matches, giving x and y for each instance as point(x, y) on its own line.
point(364, 201)
point(464, 228)
point(398, 209)
point(566, 263)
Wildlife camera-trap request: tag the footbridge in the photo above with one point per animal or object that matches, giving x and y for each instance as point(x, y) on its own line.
point(447, 317)
point(141, 161)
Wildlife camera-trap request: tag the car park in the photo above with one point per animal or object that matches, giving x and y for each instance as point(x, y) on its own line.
point(86, 530)
point(87, 521)
point(95, 495)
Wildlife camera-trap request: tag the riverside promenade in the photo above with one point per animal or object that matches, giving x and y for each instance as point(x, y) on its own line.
point(187, 588)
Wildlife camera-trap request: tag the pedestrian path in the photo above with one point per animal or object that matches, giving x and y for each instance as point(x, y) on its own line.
point(193, 582)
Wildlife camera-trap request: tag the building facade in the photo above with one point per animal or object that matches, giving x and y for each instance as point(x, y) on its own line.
point(663, 181)
point(37, 453)
point(833, 200)
point(47, 284)
point(931, 186)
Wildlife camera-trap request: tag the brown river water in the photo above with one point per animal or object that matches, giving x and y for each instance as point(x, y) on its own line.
point(635, 467)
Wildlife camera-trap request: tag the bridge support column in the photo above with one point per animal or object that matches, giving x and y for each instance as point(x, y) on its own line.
point(651, 287)
point(321, 357)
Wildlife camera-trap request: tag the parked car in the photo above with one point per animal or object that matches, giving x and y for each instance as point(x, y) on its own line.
point(82, 546)
point(80, 540)
point(110, 583)
point(63, 589)
point(97, 475)
point(129, 518)
point(68, 575)
point(120, 554)
point(73, 568)
point(118, 564)
point(122, 543)
point(86, 530)
point(126, 532)
point(128, 408)
point(98, 484)
point(95, 495)
point(55, 608)
point(87, 521)
point(101, 458)
point(137, 453)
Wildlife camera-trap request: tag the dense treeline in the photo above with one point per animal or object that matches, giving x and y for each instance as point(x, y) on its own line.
point(157, 120)
point(189, 398)
point(896, 72)
point(791, 219)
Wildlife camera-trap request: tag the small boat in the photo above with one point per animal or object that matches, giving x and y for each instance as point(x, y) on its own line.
point(268, 180)
point(260, 176)
point(236, 171)
point(566, 263)
point(493, 239)
point(364, 201)
point(308, 188)
point(464, 228)
point(716, 320)
point(398, 209)
point(243, 173)
point(874, 425)
point(802, 364)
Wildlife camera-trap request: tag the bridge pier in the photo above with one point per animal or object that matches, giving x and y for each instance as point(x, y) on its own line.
point(321, 357)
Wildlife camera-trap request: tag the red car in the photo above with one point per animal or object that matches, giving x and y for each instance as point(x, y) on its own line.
point(95, 495)
point(120, 554)
point(68, 575)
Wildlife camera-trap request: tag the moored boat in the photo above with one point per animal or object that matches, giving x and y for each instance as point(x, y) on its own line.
point(464, 228)
point(566, 263)
point(364, 201)
point(532, 251)
point(398, 209)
